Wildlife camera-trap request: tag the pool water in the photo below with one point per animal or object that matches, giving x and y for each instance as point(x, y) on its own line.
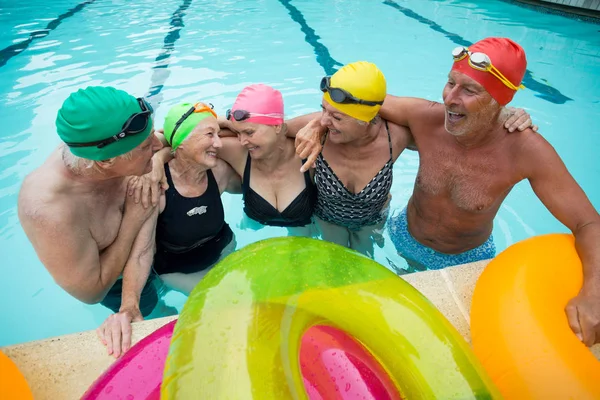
point(176, 50)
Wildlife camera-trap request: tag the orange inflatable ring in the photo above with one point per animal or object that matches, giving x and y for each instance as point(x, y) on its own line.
point(519, 327)
point(12, 383)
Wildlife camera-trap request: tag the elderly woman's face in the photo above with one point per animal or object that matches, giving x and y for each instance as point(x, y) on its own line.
point(203, 144)
point(259, 139)
point(342, 128)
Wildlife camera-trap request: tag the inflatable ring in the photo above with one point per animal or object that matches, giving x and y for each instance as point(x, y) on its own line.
point(332, 362)
point(12, 382)
point(519, 327)
point(138, 373)
point(239, 333)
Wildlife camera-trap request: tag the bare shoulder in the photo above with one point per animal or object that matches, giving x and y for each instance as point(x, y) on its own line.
point(533, 152)
point(40, 186)
point(44, 208)
point(530, 143)
point(35, 195)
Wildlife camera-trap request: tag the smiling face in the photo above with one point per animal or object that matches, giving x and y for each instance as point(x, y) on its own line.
point(260, 140)
point(203, 143)
point(341, 127)
point(469, 107)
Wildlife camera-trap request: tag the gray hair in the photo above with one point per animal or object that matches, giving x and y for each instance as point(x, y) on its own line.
point(84, 166)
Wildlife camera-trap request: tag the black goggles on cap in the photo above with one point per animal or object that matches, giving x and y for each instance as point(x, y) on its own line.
point(134, 125)
point(242, 115)
point(341, 96)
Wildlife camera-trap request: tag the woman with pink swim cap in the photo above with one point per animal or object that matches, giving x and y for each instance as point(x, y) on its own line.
point(275, 192)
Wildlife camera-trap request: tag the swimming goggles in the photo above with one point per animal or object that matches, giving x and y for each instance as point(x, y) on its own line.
point(341, 96)
point(135, 124)
point(242, 115)
point(481, 62)
point(196, 108)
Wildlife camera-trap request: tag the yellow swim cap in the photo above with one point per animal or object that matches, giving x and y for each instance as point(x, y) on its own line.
point(362, 80)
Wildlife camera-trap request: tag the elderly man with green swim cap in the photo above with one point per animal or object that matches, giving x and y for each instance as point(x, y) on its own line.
point(74, 208)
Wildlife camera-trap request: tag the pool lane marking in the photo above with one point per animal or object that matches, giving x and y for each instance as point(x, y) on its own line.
point(324, 59)
point(161, 69)
point(9, 52)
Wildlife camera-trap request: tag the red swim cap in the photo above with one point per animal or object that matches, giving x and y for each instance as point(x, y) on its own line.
point(508, 58)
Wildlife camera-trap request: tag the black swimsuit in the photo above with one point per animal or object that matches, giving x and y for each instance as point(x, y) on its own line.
point(191, 231)
point(297, 213)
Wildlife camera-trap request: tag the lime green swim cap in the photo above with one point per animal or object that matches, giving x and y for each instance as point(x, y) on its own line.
point(97, 113)
point(186, 116)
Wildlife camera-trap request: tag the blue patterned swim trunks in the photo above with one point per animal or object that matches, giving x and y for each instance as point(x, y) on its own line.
point(408, 247)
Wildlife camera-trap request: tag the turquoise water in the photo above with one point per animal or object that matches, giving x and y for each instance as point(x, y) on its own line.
point(176, 50)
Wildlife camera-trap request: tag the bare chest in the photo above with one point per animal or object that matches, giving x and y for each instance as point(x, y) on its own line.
point(105, 214)
point(471, 181)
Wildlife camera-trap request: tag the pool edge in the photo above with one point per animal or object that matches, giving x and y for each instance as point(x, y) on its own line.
point(64, 367)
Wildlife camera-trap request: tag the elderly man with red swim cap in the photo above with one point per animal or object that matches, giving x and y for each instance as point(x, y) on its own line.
point(469, 163)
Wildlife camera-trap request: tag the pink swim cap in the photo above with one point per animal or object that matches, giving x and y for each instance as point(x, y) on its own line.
point(263, 103)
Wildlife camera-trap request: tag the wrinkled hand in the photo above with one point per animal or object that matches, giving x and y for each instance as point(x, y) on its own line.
point(519, 119)
point(308, 143)
point(583, 313)
point(148, 188)
point(115, 332)
point(136, 213)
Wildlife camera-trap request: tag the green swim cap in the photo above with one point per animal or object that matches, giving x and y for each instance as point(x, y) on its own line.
point(189, 123)
point(97, 113)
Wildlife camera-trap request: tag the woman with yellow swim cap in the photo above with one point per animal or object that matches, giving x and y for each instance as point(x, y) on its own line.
point(353, 184)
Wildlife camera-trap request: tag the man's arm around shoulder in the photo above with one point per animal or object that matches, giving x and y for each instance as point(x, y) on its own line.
point(403, 110)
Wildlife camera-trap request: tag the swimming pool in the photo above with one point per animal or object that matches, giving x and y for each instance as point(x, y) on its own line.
point(176, 50)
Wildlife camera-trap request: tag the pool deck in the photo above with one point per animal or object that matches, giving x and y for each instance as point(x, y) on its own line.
point(64, 367)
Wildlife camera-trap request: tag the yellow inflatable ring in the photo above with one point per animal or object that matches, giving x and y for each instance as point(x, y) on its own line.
point(239, 333)
point(519, 327)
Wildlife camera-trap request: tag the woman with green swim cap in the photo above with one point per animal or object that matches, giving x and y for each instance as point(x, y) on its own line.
point(191, 232)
